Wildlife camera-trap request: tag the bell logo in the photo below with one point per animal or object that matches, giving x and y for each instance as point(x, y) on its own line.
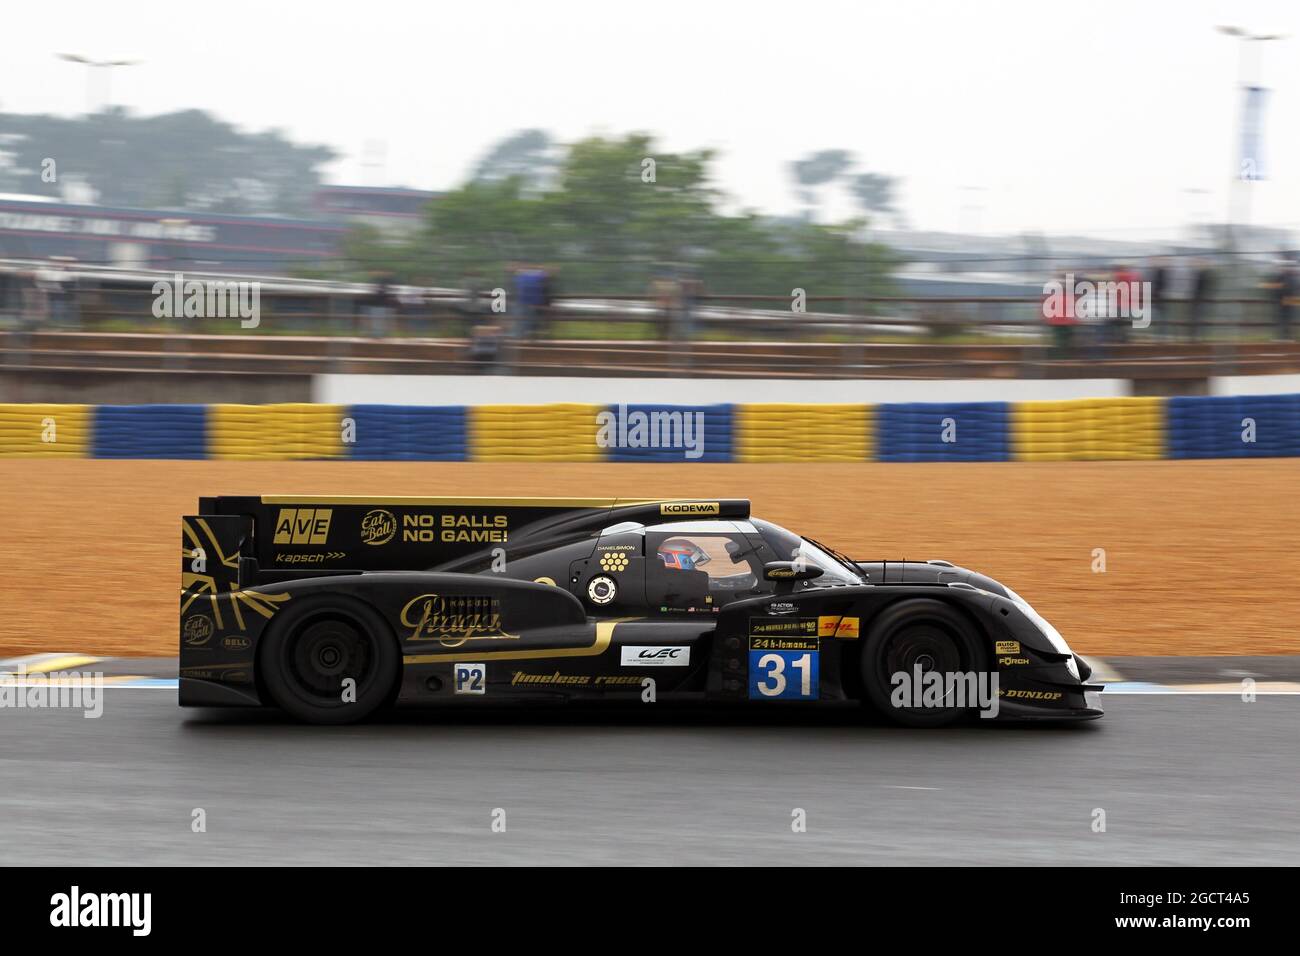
point(303, 525)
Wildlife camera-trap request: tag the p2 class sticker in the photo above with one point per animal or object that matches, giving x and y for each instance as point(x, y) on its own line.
point(655, 656)
point(602, 590)
point(469, 678)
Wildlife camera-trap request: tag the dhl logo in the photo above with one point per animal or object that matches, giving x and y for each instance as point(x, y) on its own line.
point(303, 525)
point(846, 628)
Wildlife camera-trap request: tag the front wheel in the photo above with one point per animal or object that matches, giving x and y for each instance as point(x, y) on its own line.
point(917, 638)
point(329, 661)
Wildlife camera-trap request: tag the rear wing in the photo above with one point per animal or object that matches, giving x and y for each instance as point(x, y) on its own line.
point(210, 553)
point(219, 616)
point(332, 534)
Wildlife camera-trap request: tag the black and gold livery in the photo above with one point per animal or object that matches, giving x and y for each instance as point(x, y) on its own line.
point(333, 607)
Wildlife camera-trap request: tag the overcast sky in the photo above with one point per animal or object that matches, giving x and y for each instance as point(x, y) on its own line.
point(1108, 118)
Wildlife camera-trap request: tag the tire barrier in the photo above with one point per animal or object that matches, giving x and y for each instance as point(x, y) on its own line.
point(296, 430)
point(666, 433)
point(935, 431)
point(534, 433)
point(1076, 430)
point(45, 431)
point(150, 431)
point(1245, 426)
point(1089, 429)
point(408, 433)
point(764, 433)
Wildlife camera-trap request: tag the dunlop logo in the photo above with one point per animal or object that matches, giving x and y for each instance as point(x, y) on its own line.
point(690, 508)
point(303, 525)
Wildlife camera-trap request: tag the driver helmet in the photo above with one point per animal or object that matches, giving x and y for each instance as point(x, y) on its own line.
point(682, 554)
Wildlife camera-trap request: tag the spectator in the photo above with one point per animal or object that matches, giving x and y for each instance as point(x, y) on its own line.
point(378, 306)
point(689, 290)
point(1202, 292)
point(486, 342)
point(57, 296)
point(8, 297)
point(1160, 281)
point(473, 305)
point(663, 296)
point(1130, 295)
point(1284, 292)
point(530, 300)
point(546, 308)
point(1090, 309)
point(35, 308)
point(1059, 314)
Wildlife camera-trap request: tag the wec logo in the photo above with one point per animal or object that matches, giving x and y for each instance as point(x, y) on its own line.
point(655, 657)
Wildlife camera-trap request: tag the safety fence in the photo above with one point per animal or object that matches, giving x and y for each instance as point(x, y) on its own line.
point(1074, 430)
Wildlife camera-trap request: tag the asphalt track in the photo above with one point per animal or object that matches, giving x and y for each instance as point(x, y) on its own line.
point(1183, 779)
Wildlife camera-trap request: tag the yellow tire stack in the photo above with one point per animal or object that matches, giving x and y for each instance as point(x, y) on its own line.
point(565, 432)
point(1089, 429)
point(246, 432)
point(791, 432)
point(45, 431)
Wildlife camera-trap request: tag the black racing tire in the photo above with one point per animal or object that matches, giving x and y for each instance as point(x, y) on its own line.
point(919, 632)
point(317, 642)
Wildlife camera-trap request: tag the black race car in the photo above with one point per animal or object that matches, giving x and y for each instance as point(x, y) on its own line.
point(332, 608)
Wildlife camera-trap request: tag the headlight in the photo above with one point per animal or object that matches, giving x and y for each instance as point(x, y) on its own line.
point(1052, 634)
point(1072, 667)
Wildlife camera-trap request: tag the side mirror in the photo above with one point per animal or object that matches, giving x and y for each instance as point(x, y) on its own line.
point(788, 571)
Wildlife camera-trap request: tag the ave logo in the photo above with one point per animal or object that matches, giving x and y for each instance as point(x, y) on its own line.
point(303, 525)
point(656, 656)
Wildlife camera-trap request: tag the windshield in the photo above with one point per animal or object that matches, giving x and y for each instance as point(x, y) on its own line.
point(791, 547)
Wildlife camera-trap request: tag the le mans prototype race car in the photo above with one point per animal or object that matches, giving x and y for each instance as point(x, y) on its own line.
point(332, 608)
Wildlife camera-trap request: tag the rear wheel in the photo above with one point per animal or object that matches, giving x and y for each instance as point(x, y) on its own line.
point(914, 639)
point(329, 661)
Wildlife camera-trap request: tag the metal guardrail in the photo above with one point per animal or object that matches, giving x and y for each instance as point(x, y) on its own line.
point(308, 355)
point(105, 320)
point(298, 309)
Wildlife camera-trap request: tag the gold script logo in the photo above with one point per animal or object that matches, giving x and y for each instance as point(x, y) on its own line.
point(454, 620)
point(197, 630)
point(378, 527)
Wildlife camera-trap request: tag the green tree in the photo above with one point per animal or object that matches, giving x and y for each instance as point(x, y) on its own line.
point(184, 160)
point(617, 213)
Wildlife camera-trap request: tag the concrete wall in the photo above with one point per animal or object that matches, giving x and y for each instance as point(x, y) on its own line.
point(1255, 385)
point(183, 387)
point(536, 390)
